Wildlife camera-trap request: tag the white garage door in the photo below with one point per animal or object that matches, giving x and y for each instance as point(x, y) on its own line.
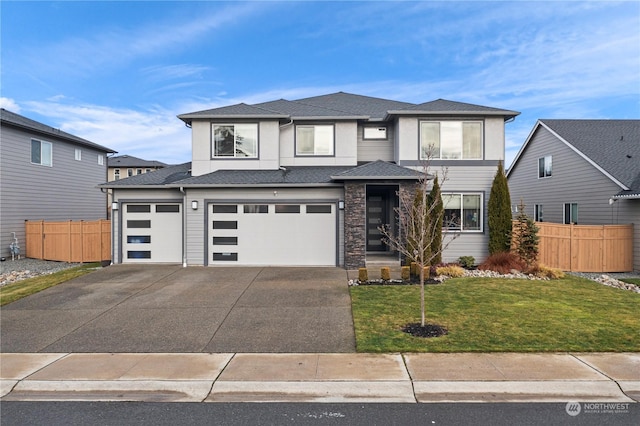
point(152, 233)
point(272, 234)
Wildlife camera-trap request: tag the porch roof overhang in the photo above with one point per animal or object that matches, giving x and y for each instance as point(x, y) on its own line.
point(380, 170)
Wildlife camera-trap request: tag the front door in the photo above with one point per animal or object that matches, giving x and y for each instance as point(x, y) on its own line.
point(376, 217)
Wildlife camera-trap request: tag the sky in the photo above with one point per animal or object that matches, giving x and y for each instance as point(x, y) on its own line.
point(118, 73)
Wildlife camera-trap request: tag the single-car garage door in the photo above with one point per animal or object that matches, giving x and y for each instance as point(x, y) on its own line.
point(152, 233)
point(272, 234)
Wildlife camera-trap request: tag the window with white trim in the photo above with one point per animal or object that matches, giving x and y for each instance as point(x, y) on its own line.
point(451, 140)
point(41, 153)
point(462, 212)
point(544, 167)
point(78, 154)
point(570, 214)
point(238, 140)
point(116, 174)
point(538, 213)
point(129, 172)
point(100, 159)
point(314, 140)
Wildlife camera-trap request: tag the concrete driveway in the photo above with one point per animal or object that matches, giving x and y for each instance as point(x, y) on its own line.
point(167, 308)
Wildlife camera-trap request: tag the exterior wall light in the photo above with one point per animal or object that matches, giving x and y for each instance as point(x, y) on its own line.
point(194, 205)
point(341, 205)
point(115, 206)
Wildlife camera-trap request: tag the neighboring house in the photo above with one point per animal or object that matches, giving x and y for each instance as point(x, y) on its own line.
point(580, 171)
point(48, 174)
point(122, 166)
point(307, 182)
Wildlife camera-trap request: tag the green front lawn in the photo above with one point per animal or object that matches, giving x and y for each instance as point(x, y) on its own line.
point(15, 291)
point(499, 315)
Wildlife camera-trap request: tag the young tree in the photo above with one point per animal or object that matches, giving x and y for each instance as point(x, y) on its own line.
point(419, 238)
point(500, 220)
point(525, 237)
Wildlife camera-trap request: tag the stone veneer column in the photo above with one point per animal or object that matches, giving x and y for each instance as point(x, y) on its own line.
point(355, 242)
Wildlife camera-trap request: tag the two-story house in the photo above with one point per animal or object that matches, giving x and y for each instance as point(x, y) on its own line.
point(580, 171)
point(46, 174)
point(308, 182)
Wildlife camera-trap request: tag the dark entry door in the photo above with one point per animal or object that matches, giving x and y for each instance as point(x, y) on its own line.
point(376, 216)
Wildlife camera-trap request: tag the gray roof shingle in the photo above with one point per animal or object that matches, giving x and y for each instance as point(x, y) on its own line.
point(17, 120)
point(289, 176)
point(614, 145)
point(445, 107)
point(301, 110)
point(378, 170)
point(131, 161)
point(375, 108)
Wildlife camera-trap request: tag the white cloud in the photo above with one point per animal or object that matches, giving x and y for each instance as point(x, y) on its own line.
point(9, 104)
point(153, 134)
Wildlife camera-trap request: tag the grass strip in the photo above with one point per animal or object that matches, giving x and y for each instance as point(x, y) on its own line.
point(499, 315)
point(15, 291)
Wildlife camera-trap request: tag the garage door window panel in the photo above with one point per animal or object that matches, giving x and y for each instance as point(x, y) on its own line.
point(319, 209)
point(287, 208)
point(225, 241)
point(225, 257)
point(256, 208)
point(138, 208)
point(168, 208)
point(225, 224)
point(139, 254)
point(225, 208)
point(138, 224)
point(139, 239)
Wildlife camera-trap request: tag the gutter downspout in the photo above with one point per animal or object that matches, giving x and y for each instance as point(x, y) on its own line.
point(184, 227)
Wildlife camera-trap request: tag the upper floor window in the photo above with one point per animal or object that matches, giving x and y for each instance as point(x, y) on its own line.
point(41, 153)
point(235, 140)
point(139, 171)
point(101, 159)
point(116, 174)
point(314, 140)
point(462, 212)
point(451, 140)
point(375, 133)
point(544, 167)
point(78, 154)
point(129, 172)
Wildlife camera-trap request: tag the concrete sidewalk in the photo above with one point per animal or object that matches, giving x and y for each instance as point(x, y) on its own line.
point(326, 377)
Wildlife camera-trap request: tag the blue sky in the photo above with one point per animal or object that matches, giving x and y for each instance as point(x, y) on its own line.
point(118, 73)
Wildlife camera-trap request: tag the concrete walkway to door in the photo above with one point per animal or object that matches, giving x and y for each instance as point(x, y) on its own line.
point(168, 308)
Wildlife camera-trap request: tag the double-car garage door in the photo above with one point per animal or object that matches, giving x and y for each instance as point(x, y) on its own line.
point(272, 234)
point(287, 234)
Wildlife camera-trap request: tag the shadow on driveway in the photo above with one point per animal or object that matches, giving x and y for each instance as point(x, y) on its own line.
point(168, 308)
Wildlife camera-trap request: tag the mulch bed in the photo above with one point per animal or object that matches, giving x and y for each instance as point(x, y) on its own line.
point(428, 330)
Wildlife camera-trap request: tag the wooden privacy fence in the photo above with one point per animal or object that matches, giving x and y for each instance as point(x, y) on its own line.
point(586, 248)
point(69, 241)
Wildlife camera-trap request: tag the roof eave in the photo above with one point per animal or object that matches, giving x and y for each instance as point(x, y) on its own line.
point(508, 115)
point(378, 177)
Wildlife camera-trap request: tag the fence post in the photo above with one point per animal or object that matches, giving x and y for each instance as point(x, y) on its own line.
point(42, 239)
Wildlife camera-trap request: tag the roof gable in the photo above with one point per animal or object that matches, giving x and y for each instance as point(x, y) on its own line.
point(611, 146)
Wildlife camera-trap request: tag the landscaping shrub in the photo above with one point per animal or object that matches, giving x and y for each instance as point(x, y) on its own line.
point(414, 269)
point(363, 275)
point(385, 273)
point(405, 273)
point(467, 262)
point(542, 271)
point(453, 271)
point(499, 212)
point(503, 263)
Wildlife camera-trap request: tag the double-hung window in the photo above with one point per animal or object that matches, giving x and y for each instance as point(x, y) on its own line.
point(451, 140)
point(116, 174)
point(544, 167)
point(314, 140)
point(462, 212)
point(538, 213)
point(78, 154)
point(41, 153)
point(238, 140)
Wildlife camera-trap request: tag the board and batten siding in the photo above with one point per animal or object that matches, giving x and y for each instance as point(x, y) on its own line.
point(573, 180)
point(195, 219)
point(65, 191)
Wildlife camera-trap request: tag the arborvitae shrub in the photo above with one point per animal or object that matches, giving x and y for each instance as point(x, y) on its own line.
point(499, 211)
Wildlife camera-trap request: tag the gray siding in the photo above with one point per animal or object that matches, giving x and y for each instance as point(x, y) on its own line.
point(372, 149)
point(65, 191)
point(573, 180)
